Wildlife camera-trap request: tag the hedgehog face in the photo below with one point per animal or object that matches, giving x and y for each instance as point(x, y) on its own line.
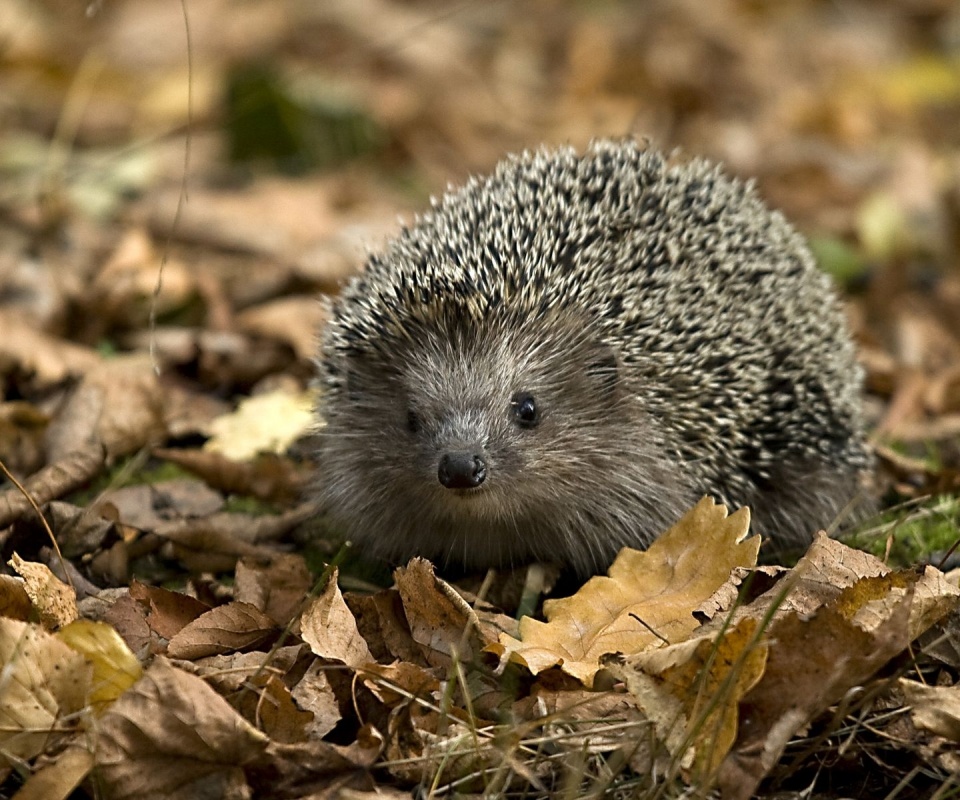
point(488, 424)
point(474, 440)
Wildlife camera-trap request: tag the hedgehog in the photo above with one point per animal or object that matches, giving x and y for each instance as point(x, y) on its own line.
point(559, 359)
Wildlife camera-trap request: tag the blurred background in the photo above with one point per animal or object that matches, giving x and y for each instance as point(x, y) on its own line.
point(315, 126)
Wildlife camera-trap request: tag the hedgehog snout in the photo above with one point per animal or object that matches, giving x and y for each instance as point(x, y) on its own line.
point(462, 469)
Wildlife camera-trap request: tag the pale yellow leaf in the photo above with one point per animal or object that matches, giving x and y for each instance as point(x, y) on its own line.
point(115, 667)
point(264, 423)
point(648, 599)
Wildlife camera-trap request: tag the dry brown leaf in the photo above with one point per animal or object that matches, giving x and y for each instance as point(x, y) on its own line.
point(45, 360)
point(57, 781)
point(330, 629)
point(190, 413)
point(263, 423)
point(45, 686)
point(424, 746)
point(129, 618)
point(14, 600)
point(933, 708)
point(55, 601)
point(55, 480)
point(172, 718)
point(440, 620)
point(314, 693)
point(149, 506)
point(383, 625)
point(119, 403)
point(648, 598)
point(230, 672)
point(398, 682)
point(812, 662)
point(311, 769)
point(277, 715)
point(268, 476)
point(277, 587)
point(870, 601)
point(219, 357)
point(126, 285)
point(824, 571)
point(214, 543)
point(22, 428)
point(380, 793)
point(274, 218)
point(582, 721)
point(691, 691)
point(234, 626)
point(168, 611)
point(79, 531)
point(291, 320)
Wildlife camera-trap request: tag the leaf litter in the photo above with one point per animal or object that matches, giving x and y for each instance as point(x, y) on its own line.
point(192, 639)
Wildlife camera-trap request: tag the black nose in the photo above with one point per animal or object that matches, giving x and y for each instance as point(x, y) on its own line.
point(461, 470)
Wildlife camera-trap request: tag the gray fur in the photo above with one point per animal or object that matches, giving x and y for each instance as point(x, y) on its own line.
point(675, 333)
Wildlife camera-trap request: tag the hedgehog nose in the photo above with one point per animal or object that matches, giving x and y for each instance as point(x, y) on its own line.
point(461, 470)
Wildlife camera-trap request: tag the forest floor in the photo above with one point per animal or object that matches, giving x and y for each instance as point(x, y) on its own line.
point(182, 182)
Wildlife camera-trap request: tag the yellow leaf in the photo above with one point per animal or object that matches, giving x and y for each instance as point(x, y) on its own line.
point(648, 599)
point(115, 667)
point(265, 423)
point(691, 691)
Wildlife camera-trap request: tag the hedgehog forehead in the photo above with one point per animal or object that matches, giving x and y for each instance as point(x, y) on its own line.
point(498, 345)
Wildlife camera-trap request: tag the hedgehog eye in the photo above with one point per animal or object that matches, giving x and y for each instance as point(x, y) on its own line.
point(413, 421)
point(525, 410)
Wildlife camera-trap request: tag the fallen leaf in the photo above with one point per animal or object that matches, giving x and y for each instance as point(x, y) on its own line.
point(170, 717)
point(54, 601)
point(440, 620)
point(14, 600)
point(118, 403)
point(383, 625)
point(115, 667)
point(230, 672)
point(331, 630)
point(814, 660)
point(266, 423)
point(44, 687)
point(58, 780)
point(398, 682)
point(292, 320)
point(267, 476)
point(309, 769)
point(129, 618)
point(314, 693)
point(168, 612)
point(933, 708)
point(42, 359)
point(276, 713)
point(234, 626)
point(148, 506)
point(277, 587)
point(691, 691)
point(648, 599)
point(580, 721)
point(55, 480)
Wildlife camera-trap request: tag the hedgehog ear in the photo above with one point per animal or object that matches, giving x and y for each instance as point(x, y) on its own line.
point(603, 368)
